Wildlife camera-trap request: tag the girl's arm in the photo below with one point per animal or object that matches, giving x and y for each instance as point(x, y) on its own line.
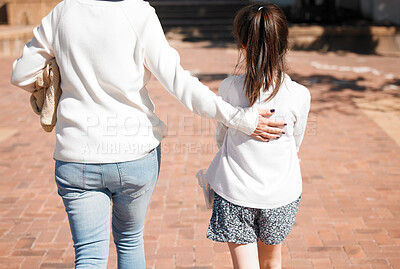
point(301, 121)
point(164, 62)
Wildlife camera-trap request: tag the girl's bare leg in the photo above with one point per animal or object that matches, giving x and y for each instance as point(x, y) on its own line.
point(269, 256)
point(244, 256)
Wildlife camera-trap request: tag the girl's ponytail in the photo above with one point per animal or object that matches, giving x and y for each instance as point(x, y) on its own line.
point(261, 29)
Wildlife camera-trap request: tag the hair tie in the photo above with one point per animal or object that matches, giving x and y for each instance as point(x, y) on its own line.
point(260, 8)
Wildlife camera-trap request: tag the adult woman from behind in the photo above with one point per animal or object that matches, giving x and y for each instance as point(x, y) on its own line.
point(108, 136)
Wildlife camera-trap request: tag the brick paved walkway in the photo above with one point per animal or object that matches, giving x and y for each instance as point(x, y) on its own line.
point(349, 215)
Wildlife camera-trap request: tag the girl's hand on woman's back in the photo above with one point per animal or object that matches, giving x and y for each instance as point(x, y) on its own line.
point(268, 129)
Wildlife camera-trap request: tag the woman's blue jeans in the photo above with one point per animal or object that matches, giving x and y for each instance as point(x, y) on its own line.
point(87, 191)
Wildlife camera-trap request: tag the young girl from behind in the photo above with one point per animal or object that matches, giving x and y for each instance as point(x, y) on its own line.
point(258, 185)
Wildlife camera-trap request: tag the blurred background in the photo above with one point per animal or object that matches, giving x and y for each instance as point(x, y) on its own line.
point(364, 26)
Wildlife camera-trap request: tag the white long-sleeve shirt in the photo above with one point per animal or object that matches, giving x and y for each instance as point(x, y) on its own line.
point(255, 174)
point(106, 51)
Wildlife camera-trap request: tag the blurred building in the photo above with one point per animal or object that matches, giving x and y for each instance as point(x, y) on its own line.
point(381, 10)
point(29, 12)
point(325, 25)
point(342, 11)
point(25, 12)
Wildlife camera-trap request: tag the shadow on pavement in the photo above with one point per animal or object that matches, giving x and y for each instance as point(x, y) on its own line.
point(332, 93)
point(358, 40)
point(335, 84)
point(338, 85)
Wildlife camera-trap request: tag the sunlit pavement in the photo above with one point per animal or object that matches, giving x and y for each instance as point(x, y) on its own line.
point(349, 216)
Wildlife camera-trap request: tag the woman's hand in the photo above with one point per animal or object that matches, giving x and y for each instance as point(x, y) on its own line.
point(268, 129)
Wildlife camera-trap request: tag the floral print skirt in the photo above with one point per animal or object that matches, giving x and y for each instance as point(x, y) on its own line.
point(244, 225)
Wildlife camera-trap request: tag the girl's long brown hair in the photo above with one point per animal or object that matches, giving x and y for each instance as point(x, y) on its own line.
point(261, 29)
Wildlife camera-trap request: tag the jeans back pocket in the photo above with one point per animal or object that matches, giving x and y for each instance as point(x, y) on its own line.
point(137, 177)
point(69, 178)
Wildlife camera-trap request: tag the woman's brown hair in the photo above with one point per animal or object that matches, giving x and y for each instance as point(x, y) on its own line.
point(261, 29)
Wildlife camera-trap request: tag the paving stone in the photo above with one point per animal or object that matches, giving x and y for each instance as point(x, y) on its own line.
point(349, 216)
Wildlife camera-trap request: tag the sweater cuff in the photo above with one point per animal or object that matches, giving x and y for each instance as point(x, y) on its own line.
point(249, 120)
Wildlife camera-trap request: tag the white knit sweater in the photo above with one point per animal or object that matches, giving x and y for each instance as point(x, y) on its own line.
point(256, 174)
point(106, 51)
